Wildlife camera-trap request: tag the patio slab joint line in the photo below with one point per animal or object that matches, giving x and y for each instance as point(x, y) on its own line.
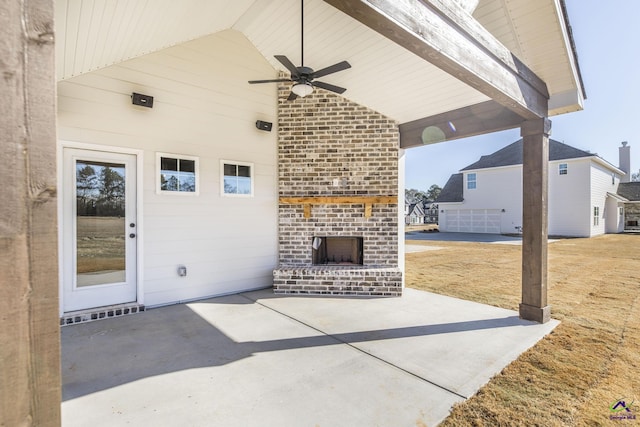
point(359, 349)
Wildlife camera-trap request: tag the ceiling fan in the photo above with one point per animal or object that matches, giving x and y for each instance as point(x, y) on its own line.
point(304, 77)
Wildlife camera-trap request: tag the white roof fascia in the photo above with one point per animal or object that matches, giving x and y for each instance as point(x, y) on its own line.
point(561, 101)
point(608, 165)
point(617, 197)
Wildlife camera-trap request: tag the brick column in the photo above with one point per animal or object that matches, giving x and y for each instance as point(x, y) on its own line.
point(535, 176)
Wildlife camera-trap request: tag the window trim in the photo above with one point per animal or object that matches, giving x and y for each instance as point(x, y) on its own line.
point(596, 216)
point(564, 169)
point(251, 176)
point(474, 181)
point(157, 178)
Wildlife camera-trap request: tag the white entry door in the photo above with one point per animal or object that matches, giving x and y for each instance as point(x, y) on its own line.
point(99, 229)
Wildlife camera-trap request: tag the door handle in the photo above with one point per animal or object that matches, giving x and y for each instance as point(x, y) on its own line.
point(132, 235)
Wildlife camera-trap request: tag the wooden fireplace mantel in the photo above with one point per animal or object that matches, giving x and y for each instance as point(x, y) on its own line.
point(367, 201)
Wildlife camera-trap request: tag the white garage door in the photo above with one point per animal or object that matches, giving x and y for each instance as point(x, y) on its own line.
point(473, 221)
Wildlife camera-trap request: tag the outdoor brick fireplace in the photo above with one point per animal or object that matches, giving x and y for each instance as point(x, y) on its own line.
point(338, 187)
point(337, 251)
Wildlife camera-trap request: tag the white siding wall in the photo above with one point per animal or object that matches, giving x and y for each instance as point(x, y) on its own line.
point(496, 189)
point(601, 184)
point(499, 188)
point(203, 107)
point(569, 199)
point(614, 222)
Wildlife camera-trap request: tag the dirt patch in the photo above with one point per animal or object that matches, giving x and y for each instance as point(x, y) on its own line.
point(591, 359)
point(100, 244)
point(426, 228)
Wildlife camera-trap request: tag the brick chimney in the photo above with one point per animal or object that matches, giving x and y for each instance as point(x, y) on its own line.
point(625, 161)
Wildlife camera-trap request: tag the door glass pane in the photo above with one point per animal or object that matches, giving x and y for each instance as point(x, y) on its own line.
point(100, 226)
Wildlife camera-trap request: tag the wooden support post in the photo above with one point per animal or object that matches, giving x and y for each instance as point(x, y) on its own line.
point(535, 168)
point(30, 329)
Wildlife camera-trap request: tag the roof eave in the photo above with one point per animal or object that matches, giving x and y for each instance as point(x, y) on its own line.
point(608, 165)
point(617, 197)
point(574, 51)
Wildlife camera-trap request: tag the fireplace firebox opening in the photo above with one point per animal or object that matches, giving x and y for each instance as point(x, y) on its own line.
point(337, 250)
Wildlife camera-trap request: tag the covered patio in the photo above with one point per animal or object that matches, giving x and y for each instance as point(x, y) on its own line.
point(258, 358)
point(429, 70)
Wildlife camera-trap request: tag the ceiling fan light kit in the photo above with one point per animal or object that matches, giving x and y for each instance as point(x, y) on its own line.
point(302, 89)
point(303, 77)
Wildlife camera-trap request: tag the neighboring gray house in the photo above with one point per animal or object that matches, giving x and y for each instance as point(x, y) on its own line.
point(631, 192)
point(486, 196)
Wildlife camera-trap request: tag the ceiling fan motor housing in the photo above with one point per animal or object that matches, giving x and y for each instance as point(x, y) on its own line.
point(304, 73)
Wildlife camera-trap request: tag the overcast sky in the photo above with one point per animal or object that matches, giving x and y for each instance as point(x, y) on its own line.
point(607, 36)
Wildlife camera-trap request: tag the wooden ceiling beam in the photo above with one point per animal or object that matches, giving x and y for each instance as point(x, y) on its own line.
point(479, 119)
point(448, 37)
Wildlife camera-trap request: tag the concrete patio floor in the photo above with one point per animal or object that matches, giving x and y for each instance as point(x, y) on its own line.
point(258, 359)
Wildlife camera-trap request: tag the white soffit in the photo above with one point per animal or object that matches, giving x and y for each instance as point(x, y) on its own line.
point(385, 77)
point(93, 34)
point(536, 33)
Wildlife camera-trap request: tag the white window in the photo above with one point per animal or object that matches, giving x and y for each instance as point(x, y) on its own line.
point(471, 181)
point(176, 174)
point(596, 215)
point(562, 168)
point(237, 178)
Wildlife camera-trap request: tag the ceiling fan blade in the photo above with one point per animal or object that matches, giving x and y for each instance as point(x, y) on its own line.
point(332, 69)
point(292, 97)
point(285, 61)
point(269, 81)
point(327, 86)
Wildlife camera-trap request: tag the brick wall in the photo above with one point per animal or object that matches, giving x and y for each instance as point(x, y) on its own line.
point(331, 147)
point(632, 213)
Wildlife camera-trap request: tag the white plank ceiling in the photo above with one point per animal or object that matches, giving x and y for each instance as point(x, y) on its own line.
point(92, 34)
